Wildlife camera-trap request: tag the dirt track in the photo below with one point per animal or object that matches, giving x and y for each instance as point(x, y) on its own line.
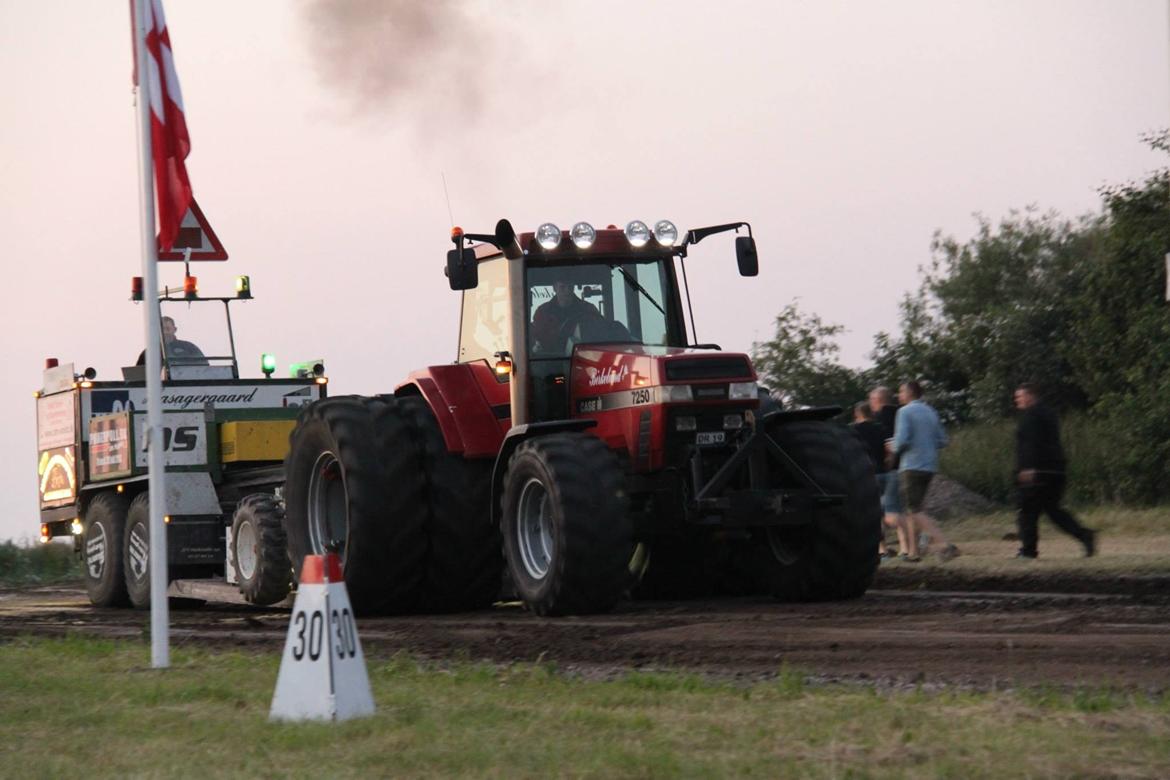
point(982, 640)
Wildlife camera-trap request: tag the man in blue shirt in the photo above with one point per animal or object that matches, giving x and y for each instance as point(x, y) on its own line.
point(918, 436)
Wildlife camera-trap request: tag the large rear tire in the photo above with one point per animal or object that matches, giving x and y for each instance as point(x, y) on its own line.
point(105, 527)
point(353, 485)
point(464, 563)
point(260, 550)
point(567, 531)
point(835, 556)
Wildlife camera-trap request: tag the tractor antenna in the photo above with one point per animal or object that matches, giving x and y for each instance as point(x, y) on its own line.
point(446, 195)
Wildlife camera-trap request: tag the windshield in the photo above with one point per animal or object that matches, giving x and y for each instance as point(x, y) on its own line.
point(613, 302)
point(195, 334)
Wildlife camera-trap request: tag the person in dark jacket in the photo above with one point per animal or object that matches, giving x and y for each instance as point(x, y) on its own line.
point(884, 410)
point(1040, 475)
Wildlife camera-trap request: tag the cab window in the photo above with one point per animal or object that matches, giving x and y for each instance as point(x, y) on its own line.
point(485, 325)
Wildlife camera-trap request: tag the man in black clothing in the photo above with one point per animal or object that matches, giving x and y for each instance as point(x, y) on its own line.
point(1040, 474)
point(883, 411)
point(553, 320)
point(871, 434)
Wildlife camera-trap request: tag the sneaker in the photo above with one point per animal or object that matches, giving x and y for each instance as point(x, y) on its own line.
point(1027, 555)
point(909, 558)
point(887, 555)
point(948, 553)
point(1090, 542)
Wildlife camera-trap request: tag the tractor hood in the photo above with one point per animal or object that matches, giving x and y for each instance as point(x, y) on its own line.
point(606, 368)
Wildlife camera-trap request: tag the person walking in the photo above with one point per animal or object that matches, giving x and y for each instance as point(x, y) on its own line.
point(873, 439)
point(1040, 475)
point(918, 437)
point(883, 412)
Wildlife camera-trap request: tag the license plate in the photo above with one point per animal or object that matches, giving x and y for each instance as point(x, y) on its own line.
point(710, 437)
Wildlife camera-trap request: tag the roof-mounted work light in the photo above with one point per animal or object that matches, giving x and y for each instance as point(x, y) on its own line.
point(548, 236)
point(665, 233)
point(637, 233)
point(583, 235)
point(243, 287)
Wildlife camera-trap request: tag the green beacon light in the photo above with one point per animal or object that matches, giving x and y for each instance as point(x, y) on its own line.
point(267, 364)
point(243, 287)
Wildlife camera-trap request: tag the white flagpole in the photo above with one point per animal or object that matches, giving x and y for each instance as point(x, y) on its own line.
point(160, 654)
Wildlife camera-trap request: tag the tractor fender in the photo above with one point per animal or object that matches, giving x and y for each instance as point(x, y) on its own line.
point(780, 417)
point(470, 426)
point(517, 436)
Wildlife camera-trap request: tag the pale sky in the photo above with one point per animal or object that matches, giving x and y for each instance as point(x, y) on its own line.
point(845, 132)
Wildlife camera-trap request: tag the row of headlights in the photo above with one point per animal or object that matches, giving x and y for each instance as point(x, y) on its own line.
point(736, 391)
point(582, 234)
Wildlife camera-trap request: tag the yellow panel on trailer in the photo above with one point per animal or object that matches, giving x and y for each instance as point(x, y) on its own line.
point(249, 440)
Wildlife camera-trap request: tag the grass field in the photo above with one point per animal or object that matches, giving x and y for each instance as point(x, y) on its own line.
point(73, 708)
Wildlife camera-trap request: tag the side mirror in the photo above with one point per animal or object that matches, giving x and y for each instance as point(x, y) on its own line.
point(462, 269)
point(745, 255)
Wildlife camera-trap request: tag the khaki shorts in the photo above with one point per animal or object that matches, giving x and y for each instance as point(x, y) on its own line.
point(913, 486)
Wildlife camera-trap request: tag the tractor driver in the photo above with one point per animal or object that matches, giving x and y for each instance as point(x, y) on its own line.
point(174, 347)
point(555, 320)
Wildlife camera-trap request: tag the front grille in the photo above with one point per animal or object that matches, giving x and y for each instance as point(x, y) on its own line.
point(685, 369)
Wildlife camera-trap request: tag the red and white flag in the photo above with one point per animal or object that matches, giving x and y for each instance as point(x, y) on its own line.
point(169, 141)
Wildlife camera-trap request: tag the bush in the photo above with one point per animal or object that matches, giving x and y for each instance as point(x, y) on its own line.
point(1100, 470)
point(37, 563)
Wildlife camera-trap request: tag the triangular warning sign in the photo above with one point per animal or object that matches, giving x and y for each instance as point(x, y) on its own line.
point(195, 233)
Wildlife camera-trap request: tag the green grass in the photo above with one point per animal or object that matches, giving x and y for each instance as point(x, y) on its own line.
point(81, 707)
point(37, 563)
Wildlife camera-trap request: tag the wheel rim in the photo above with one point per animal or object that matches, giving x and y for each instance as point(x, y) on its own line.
point(246, 552)
point(328, 516)
point(139, 558)
point(534, 532)
point(786, 548)
point(95, 550)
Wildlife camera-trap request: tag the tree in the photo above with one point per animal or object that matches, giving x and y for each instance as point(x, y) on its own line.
point(800, 365)
point(1121, 350)
point(995, 311)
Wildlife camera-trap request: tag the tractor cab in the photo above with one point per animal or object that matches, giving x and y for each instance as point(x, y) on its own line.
point(195, 333)
point(533, 301)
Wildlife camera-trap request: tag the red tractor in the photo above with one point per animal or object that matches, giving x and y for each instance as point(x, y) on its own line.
point(580, 427)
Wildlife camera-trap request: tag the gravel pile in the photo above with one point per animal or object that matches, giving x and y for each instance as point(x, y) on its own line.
point(948, 499)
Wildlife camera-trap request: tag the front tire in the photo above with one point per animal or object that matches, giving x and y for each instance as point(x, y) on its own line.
point(260, 550)
point(105, 527)
point(567, 532)
point(835, 556)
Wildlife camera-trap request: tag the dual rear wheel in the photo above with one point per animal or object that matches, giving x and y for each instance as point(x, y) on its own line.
point(371, 479)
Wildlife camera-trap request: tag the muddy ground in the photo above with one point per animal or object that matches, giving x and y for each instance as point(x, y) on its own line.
point(932, 637)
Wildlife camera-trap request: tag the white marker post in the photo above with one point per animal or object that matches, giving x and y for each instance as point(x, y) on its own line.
point(160, 651)
point(322, 672)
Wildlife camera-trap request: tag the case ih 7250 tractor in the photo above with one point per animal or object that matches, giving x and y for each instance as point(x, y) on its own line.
point(580, 427)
